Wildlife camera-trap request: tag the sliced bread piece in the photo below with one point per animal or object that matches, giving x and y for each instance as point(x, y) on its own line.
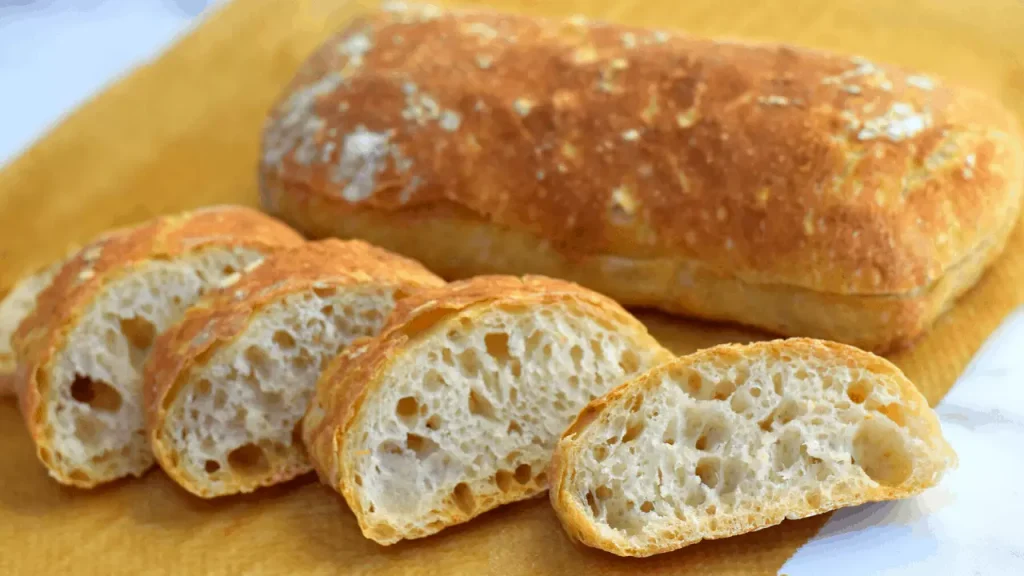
point(81, 351)
point(226, 387)
point(455, 407)
point(738, 438)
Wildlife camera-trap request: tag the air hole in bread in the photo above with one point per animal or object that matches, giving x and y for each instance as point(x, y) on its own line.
point(497, 346)
point(248, 459)
point(707, 471)
point(789, 447)
point(600, 452)
point(603, 492)
point(879, 448)
point(503, 480)
point(463, 497)
point(257, 358)
point(78, 476)
point(220, 399)
point(480, 406)
point(303, 360)
point(711, 510)
point(359, 480)
point(283, 339)
point(694, 382)
point(858, 391)
point(203, 388)
point(324, 291)
point(813, 499)
point(732, 474)
point(576, 353)
point(724, 389)
point(740, 403)
point(408, 409)
point(514, 428)
point(633, 429)
point(421, 445)
point(647, 506)
point(138, 331)
point(434, 422)
point(597, 350)
point(592, 503)
point(523, 473)
point(894, 412)
point(637, 403)
point(702, 443)
point(789, 410)
point(228, 270)
point(541, 479)
point(211, 466)
point(755, 391)
point(469, 362)
point(777, 383)
point(97, 394)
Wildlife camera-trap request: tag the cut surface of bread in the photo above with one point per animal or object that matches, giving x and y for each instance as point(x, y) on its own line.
point(455, 407)
point(82, 350)
point(227, 385)
point(738, 438)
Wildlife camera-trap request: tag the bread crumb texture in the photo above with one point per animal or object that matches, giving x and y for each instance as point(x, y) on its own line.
point(231, 381)
point(455, 408)
point(737, 438)
point(84, 346)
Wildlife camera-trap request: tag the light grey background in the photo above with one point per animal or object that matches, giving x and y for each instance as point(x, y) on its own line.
point(54, 54)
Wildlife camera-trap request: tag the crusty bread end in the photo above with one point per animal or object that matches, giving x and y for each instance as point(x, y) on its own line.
point(738, 438)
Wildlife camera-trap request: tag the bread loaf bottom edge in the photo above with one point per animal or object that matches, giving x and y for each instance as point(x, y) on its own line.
point(457, 247)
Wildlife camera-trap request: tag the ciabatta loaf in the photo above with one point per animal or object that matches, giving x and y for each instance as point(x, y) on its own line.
point(802, 192)
point(228, 384)
point(455, 407)
point(737, 438)
point(82, 350)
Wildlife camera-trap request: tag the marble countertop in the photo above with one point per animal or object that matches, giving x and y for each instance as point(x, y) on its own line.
point(55, 53)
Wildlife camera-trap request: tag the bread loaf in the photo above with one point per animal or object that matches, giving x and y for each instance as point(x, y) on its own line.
point(226, 387)
point(781, 187)
point(81, 351)
point(454, 408)
point(738, 438)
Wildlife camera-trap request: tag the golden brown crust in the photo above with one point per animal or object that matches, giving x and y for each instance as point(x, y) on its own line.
point(345, 384)
point(222, 316)
point(772, 166)
point(919, 416)
point(107, 258)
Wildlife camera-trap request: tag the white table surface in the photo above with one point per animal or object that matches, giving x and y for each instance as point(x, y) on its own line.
point(54, 54)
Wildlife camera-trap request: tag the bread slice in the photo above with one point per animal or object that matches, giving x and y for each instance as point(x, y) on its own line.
point(15, 307)
point(737, 438)
point(455, 407)
point(82, 349)
point(227, 386)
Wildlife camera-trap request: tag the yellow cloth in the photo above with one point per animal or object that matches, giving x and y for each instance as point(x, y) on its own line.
point(184, 132)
